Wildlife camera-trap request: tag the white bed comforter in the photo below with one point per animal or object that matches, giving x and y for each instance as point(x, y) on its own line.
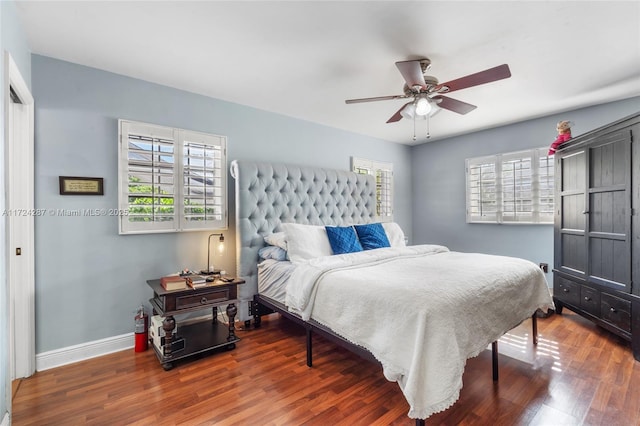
point(422, 311)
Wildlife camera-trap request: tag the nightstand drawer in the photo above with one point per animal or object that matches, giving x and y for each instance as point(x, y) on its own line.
point(202, 298)
point(616, 311)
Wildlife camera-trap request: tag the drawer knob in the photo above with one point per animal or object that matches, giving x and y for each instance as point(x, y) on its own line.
point(566, 290)
point(587, 298)
point(203, 300)
point(612, 309)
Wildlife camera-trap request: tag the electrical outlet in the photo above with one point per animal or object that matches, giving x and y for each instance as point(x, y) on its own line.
point(544, 267)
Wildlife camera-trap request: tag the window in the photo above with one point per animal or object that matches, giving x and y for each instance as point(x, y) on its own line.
point(511, 188)
point(170, 179)
point(383, 173)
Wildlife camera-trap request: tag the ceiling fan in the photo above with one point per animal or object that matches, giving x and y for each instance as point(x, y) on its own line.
point(426, 92)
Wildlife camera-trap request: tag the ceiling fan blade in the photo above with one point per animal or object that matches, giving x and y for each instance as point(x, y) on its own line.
point(454, 104)
point(379, 98)
point(412, 73)
point(482, 77)
point(397, 116)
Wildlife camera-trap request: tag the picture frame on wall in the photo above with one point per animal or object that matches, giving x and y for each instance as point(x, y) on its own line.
point(75, 185)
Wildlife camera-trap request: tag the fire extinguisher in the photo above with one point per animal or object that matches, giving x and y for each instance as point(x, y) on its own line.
point(142, 330)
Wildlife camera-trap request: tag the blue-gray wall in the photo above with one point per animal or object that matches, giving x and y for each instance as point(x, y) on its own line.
point(438, 178)
point(89, 279)
point(14, 41)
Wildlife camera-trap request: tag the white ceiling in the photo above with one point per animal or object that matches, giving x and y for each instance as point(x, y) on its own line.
point(304, 58)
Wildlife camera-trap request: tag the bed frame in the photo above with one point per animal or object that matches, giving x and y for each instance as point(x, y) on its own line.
point(268, 194)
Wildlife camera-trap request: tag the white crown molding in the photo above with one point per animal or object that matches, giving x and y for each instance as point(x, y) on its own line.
point(81, 352)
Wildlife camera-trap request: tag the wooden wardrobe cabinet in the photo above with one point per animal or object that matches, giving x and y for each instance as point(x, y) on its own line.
point(597, 228)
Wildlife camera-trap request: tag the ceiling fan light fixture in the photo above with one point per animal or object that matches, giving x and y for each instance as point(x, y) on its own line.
point(423, 106)
point(409, 112)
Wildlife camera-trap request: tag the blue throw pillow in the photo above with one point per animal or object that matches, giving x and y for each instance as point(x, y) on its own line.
point(343, 239)
point(372, 236)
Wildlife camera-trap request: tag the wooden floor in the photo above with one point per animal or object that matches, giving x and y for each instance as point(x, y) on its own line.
point(577, 375)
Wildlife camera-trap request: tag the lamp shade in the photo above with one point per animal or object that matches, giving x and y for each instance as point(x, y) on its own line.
point(423, 106)
point(409, 112)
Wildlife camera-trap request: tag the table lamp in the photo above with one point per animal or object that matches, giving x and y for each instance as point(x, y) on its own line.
point(210, 269)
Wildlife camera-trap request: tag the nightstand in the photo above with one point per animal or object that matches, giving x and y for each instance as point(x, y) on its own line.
point(197, 337)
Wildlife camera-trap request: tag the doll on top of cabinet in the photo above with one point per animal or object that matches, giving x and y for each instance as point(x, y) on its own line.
point(564, 134)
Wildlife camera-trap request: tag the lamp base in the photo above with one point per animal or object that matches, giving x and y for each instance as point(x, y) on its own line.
point(214, 272)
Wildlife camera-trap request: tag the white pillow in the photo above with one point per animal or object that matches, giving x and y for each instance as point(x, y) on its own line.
point(394, 234)
point(306, 241)
point(278, 239)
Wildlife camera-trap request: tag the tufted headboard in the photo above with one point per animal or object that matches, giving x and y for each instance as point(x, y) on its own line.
point(268, 194)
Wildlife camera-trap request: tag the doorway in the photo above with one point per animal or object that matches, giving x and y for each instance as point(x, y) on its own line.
point(20, 249)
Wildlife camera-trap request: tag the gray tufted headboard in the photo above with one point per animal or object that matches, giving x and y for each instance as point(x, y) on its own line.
point(268, 194)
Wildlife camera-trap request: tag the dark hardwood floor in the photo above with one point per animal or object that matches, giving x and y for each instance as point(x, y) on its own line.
point(578, 375)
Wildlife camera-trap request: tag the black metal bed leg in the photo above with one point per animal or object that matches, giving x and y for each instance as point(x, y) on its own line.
point(257, 319)
point(309, 347)
point(534, 327)
point(419, 422)
point(494, 359)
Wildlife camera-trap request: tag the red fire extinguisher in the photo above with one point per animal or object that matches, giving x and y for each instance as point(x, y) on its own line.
point(142, 330)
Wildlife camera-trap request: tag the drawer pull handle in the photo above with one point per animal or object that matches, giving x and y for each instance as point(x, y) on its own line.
point(612, 309)
point(587, 298)
point(566, 290)
point(203, 300)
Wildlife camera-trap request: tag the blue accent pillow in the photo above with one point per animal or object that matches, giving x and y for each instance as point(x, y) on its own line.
point(343, 239)
point(372, 236)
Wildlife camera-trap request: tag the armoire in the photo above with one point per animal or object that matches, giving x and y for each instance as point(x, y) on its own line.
point(597, 228)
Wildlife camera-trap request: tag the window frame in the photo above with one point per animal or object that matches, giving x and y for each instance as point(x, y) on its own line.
point(174, 140)
point(538, 181)
point(380, 170)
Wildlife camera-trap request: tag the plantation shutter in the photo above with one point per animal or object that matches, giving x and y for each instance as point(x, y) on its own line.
point(383, 174)
point(171, 179)
point(545, 187)
point(516, 187)
point(204, 181)
point(147, 186)
point(482, 190)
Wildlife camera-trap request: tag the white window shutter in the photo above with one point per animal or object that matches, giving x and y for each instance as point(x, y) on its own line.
point(482, 190)
point(383, 174)
point(146, 185)
point(514, 187)
point(204, 181)
point(170, 179)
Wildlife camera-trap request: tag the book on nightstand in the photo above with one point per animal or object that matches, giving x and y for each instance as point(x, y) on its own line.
point(196, 281)
point(173, 282)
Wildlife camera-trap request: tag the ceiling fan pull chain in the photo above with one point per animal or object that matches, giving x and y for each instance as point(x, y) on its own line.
point(428, 132)
point(414, 126)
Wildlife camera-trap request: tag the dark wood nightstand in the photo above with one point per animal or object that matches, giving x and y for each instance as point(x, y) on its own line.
point(197, 337)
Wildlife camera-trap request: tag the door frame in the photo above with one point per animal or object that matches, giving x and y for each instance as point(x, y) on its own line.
point(19, 190)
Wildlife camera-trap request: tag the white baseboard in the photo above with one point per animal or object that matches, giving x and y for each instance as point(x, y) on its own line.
point(83, 351)
point(5, 419)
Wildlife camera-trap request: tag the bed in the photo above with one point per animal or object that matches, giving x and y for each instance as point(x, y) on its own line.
point(420, 311)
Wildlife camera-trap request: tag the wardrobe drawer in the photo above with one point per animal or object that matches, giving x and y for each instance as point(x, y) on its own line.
point(567, 291)
point(616, 311)
point(590, 300)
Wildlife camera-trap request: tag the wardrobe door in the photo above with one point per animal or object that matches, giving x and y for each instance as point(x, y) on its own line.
point(570, 224)
point(609, 211)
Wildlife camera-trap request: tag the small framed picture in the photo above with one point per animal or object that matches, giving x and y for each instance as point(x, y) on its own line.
point(71, 185)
